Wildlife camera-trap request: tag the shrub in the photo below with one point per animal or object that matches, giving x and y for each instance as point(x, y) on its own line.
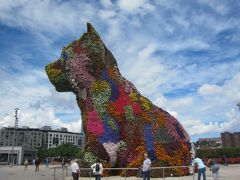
point(219, 152)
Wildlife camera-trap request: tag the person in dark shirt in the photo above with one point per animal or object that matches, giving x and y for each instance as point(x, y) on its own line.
point(37, 163)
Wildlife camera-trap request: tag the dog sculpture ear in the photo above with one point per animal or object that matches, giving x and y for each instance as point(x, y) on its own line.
point(91, 30)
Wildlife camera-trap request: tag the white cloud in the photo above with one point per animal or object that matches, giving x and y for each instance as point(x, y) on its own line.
point(220, 8)
point(135, 6)
point(29, 91)
point(131, 5)
point(208, 89)
point(183, 44)
point(106, 3)
point(144, 69)
point(232, 123)
point(195, 127)
point(182, 102)
point(161, 101)
point(46, 16)
point(106, 14)
point(36, 118)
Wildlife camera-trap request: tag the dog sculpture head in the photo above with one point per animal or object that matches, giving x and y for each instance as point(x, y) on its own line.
point(81, 62)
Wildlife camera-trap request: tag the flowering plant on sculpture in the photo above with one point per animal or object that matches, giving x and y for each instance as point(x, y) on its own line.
point(122, 145)
point(120, 124)
point(112, 150)
point(89, 158)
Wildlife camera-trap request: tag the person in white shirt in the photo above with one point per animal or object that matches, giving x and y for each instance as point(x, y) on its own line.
point(97, 169)
point(75, 169)
point(146, 167)
point(201, 168)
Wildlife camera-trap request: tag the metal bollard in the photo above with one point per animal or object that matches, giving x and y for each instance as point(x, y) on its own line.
point(90, 173)
point(54, 174)
point(163, 174)
point(125, 173)
point(62, 173)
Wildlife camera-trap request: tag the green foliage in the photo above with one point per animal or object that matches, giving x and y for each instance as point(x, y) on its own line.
point(89, 158)
point(79, 154)
point(100, 94)
point(129, 113)
point(42, 153)
point(69, 52)
point(218, 152)
point(122, 145)
point(57, 77)
point(111, 123)
point(64, 150)
point(67, 150)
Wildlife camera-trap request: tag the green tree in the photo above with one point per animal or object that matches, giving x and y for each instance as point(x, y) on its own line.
point(79, 154)
point(42, 153)
point(67, 150)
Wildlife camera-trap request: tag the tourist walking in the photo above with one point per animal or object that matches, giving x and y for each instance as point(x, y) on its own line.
point(75, 169)
point(201, 168)
point(146, 167)
point(46, 163)
point(214, 167)
point(25, 163)
point(224, 158)
point(33, 162)
point(37, 162)
point(63, 162)
point(97, 169)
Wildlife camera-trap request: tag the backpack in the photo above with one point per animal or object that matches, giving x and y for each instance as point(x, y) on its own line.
point(97, 167)
point(215, 168)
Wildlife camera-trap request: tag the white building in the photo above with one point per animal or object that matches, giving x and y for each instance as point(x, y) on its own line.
point(44, 137)
point(56, 138)
point(19, 154)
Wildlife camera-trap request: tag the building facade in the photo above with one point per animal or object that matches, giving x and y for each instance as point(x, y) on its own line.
point(16, 155)
point(55, 138)
point(44, 137)
point(231, 139)
point(215, 142)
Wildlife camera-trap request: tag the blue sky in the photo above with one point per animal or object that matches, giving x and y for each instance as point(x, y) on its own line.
point(182, 55)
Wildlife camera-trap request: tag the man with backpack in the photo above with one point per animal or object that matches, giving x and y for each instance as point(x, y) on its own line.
point(97, 169)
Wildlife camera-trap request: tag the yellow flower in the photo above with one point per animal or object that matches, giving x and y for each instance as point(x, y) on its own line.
point(100, 86)
point(134, 96)
point(52, 72)
point(145, 103)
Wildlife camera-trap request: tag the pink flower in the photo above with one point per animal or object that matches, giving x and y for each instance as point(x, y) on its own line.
point(112, 150)
point(94, 124)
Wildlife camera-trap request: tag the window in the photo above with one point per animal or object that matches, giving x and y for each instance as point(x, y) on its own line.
point(55, 141)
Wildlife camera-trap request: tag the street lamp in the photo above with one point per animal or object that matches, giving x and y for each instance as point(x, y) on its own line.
point(14, 132)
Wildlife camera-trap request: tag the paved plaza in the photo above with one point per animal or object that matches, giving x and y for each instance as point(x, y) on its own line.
point(231, 172)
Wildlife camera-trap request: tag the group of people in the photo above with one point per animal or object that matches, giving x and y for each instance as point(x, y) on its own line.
point(201, 168)
point(35, 162)
point(97, 169)
point(146, 168)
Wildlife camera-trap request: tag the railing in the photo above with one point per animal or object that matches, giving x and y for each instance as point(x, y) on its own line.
point(86, 173)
